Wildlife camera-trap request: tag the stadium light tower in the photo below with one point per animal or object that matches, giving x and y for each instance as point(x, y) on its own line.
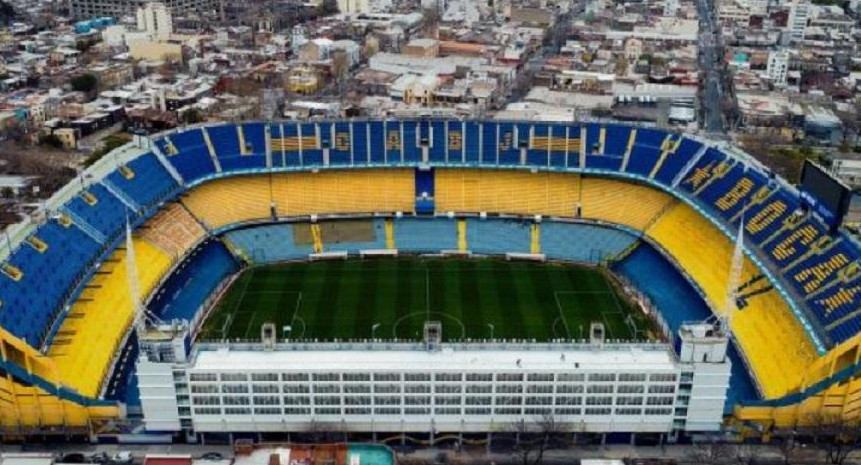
point(736, 268)
point(490, 325)
point(374, 329)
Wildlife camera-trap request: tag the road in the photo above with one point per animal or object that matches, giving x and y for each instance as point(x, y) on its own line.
point(710, 65)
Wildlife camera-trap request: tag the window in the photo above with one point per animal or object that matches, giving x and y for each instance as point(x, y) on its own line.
point(264, 376)
point(567, 411)
point(629, 400)
point(447, 400)
point(416, 411)
point(508, 411)
point(357, 389)
point(600, 389)
point(447, 388)
point(357, 411)
point(234, 377)
point(207, 411)
point(628, 411)
point(541, 377)
point(483, 400)
point(417, 389)
point(417, 400)
point(237, 411)
point(604, 400)
point(202, 377)
point(297, 400)
point(659, 401)
point(540, 389)
point(387, 411)
point(570, 377)
point(509, 377)
point(357, 377)
point(327, 400)
point(569, 400)
point(632, 377)
point(387, 389)
point(204, 389)
point(602, 377)
point(476, 411)
point(327, 411)
point(658, 411)
point(479, 389)
point(536, 411)
point(268, 411)
point(326, 377)
point(387, 376)
point(327, 388)
point(387, 400)
point(509, 388)
point(662, 377)
point(629, 389)
point(415, 377)
point(447, 377)
point(479, 377)
point(357, 400)
point(297, 411)
point(570, 389)
point(234, 389)
point(206, 400)
point(296, 389)
point(539, 400)
point(597, 411)
point(236, 400)
point(509, 400)
point(662, 389)
point(295, 377)
point(264, 388)
point(447, 411)
point(265, 400)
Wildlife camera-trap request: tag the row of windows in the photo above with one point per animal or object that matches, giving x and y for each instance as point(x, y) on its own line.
point(426, 389)
point(427, 377)
point(427, 411)
point(427, 400)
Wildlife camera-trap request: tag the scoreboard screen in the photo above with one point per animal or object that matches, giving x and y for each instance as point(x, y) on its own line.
point(825, 194)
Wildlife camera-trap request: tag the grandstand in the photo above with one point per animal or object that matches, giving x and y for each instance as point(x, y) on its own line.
point(223, 198)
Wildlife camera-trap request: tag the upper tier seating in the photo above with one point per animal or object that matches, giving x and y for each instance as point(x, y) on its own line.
point(97, 322)
point(774, 342)
point(40, 275)
point(188, 153)
point(173, 230)
point(144, 180)
point(549, 194)
point(621, 202)
point(102, 210)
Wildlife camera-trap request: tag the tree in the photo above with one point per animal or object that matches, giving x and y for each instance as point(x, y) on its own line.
point(51, 140)
point(327, 8)
point(84, 83)
point(837, 436)
point(715, 453)
point(536, 438)
point(191, 116)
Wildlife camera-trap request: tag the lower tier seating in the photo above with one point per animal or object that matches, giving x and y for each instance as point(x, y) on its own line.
point(521, 192)
point(97, 322)
point(173, 230)
point(773, 341)
point(621, 202)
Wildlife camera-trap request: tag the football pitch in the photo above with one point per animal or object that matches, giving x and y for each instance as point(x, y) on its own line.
point(391, 298)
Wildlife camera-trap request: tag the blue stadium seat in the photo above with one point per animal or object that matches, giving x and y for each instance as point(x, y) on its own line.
point(378, 242)
point(225, 140)
point(48, 277)
point(616, 139)
point(677, 160)
point(425, 235)
point(107, 214)
point(792, 243)
point(193, 281)
point(582, 242)
point(144, 180)
point(271, 243)
point(498, 236)
point(191, 157)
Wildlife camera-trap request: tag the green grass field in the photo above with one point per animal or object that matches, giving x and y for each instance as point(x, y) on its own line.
point(346, 299)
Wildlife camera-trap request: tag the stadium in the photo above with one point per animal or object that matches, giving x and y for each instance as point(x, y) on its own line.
point(423, 277)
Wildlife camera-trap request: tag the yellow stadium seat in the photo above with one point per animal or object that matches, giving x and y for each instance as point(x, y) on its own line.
point(622, 202)
point(173, 230)
point(773, 342)
point(516, 192)
point(230, 200)
point(90, 335)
